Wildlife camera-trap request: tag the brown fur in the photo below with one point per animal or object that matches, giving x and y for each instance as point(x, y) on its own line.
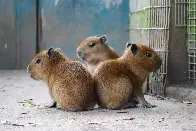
point(93, 56)
point(70, 84)
point(99, 53)
point(119, 81)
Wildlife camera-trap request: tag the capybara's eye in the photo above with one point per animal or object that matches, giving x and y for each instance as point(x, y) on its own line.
point(148, 55)
point(91, 44)
point(37, 61)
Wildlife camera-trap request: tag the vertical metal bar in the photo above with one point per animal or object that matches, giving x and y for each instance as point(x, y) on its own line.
point(184, 12)
point(166, 12)
point(194, 52)
point(188, 39)
point(181, 13)
point(177, 13)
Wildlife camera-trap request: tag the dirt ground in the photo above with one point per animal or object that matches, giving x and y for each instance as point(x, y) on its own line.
point(22, 102)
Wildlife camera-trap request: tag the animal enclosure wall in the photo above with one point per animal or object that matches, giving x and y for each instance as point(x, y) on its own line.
point(149, 24)
point(65, 23)
point(17, 33)
point(28, 26)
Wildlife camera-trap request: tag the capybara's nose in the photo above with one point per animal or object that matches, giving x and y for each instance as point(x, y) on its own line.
point(79, 53)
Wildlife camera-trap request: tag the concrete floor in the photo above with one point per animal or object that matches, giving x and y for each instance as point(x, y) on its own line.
point(16, 87)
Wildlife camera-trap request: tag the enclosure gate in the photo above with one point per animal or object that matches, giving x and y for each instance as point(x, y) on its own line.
point(149, 24)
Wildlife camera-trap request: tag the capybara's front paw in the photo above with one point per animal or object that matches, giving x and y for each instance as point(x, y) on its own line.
point(52, 105)
point(145, 104)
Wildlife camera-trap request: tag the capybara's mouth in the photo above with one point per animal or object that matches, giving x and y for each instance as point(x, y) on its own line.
point(32, 77)
point(83, 58)
point(81, 55)
point(30, 74)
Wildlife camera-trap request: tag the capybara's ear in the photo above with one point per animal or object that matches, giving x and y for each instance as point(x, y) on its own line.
point(51, 53)
point(103, 39)
point(134, 49)
point(128, 44)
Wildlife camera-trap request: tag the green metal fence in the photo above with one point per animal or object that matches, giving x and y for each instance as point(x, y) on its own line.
point(191, 31)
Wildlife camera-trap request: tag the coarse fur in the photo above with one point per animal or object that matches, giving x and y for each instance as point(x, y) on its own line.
point(94, 55)
point(70, 84)
point(93, 50)
point(119, 81)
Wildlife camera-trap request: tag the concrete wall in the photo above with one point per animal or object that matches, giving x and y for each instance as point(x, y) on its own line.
point(65, 23)
point(62, 23)
point(7, 35)
point(17, 33)
point(177, 57)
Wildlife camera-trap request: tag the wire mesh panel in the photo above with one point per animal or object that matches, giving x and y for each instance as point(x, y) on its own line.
point(181, 12)
point(149, 24)
point(191, 30)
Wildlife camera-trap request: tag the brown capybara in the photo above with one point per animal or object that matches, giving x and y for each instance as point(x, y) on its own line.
point(93, 50)
point(119, 81)
point(70, 84)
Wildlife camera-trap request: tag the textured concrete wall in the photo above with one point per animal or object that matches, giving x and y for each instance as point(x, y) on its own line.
point(7, 35)
point(65, 23)
point(17, 33)
point(178, 57)
point(62, 23)
point(26, 32)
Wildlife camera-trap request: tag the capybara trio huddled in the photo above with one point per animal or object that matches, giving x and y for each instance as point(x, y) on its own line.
point(107, 79)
